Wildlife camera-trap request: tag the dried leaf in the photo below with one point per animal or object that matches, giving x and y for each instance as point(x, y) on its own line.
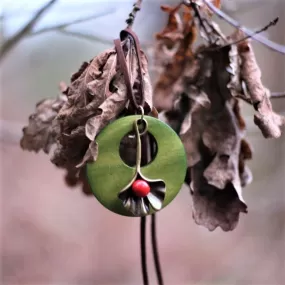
point(244, 171)
point(210, 117)
point(174, 27)
point(245, 152)
point(96, 96)
point(235, 84)
point(87, 90)
point(197, 99)
point(110, 109)
point(77, 177)
point(182, 37)
point(266, 119)
point(213, 207)
point(42, 131)
point(221, 136)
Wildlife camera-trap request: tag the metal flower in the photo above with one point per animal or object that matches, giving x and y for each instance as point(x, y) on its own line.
point(138, 203)
point(141, 192)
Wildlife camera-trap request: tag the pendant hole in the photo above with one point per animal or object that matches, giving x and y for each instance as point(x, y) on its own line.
point(128, 149)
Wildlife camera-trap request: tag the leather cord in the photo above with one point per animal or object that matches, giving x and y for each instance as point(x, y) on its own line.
point(140, 99)
point(143, 250)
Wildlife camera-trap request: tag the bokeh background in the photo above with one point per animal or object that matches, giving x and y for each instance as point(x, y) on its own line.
point(53, 235)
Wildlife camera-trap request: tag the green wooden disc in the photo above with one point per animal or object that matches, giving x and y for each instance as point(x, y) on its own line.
point(109, 174)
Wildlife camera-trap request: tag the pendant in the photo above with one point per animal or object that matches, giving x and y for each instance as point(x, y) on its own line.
point(140, 190)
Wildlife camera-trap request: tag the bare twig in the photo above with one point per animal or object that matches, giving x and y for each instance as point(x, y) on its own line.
point(244, 98)
point(272, 45)
point(73, 22)
point(11, 42)
point(273, 95)
point(85, 36)
point(197, 14)
point(272, 23)
point(132, 15)
point(277, 95)
point(93, 38)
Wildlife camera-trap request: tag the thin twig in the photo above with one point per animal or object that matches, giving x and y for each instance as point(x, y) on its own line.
point(95, 38)
point(73, 22)
point(272, 23)
point(272, 45)
point(245, 99)
point(215, 29)
point(198, 16)
point(11, 42)
point(85, 36)
point(277, 95)
point(132, 15)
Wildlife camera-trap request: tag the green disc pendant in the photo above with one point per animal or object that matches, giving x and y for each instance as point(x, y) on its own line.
point(140, 190)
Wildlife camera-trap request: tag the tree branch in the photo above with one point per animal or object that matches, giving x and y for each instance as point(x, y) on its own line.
point(11, 42)
point(84, 36)
point(272, 45)
point(132, 15)
point(277, 95)
point(73, 22)
point(272, 23)
point(198, 16)
point(96, 39)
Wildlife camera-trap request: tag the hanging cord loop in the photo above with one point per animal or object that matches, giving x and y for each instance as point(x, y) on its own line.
point(139, 100)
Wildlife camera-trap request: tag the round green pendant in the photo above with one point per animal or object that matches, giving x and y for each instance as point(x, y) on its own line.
point(111, 179)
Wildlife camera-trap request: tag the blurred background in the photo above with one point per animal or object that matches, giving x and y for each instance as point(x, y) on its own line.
point(53, 235)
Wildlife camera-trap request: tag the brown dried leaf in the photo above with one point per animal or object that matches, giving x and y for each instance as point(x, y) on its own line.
point(244, 171)
point(191, 140)
point(174, 63)
point(171, 83)
point(148, 92)
point(221, 136)
point(213, 207)
point(245, 152)
point(266, 119)
point(218, 126)
point(75, 177)
point(197, 99)
point(88, 88)
point(96, 97)
point(174, 27)
point(235, 84)
point(42, 131)
point(110, 109)
point(202, 5)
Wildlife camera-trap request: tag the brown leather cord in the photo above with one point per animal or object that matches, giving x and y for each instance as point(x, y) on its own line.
point(155, 251)
point(123, 35)
point(143, 251)
point(123, 65)
point(124, 69)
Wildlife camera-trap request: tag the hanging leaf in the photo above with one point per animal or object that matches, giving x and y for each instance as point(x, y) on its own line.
point(42, 131)
point(266, 119)
point(181, 31)
point(96, 96)
point(207, 116)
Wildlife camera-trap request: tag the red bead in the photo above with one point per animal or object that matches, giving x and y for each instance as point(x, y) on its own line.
point(140, 188)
